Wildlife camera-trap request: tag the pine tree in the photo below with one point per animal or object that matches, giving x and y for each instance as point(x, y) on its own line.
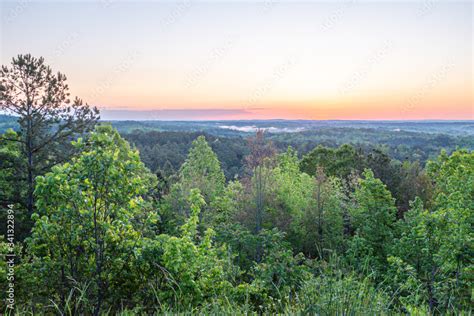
point(47, 118)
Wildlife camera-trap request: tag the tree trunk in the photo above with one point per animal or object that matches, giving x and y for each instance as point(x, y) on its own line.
point(98, 262)
point(29, 154)
point(259, 211)
point(30, 182)
point(431, 297)
point(320, 220)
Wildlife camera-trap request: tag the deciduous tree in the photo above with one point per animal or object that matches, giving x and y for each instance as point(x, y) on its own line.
point(90, 219)
point(373, 219)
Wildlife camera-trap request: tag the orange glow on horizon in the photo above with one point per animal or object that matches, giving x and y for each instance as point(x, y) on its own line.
point(401, 106)
point(377, 60)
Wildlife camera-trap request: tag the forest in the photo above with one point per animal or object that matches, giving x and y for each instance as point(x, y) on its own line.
point(97, 222)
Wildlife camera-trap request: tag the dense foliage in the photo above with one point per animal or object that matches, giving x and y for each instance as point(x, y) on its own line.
point(278, 240)
point(335, 230)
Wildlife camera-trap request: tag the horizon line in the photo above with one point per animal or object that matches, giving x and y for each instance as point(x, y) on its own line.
point(281, 119)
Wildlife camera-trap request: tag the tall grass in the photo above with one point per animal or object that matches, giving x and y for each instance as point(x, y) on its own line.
point(324, 295)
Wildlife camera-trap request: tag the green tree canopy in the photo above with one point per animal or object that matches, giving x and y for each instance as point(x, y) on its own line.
point(90, 219)
point(202, 170)
point(340, 162)
point(373, 219)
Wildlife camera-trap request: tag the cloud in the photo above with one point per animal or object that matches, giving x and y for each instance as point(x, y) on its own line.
point(182, 114)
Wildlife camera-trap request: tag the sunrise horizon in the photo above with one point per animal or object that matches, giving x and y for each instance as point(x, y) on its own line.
point(196, 60)
point(184, 114)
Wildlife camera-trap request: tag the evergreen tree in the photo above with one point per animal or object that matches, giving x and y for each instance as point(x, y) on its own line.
point(47, 118)
point(202, 170)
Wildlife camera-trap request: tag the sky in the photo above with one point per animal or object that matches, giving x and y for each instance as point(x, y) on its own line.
point(391, 60)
